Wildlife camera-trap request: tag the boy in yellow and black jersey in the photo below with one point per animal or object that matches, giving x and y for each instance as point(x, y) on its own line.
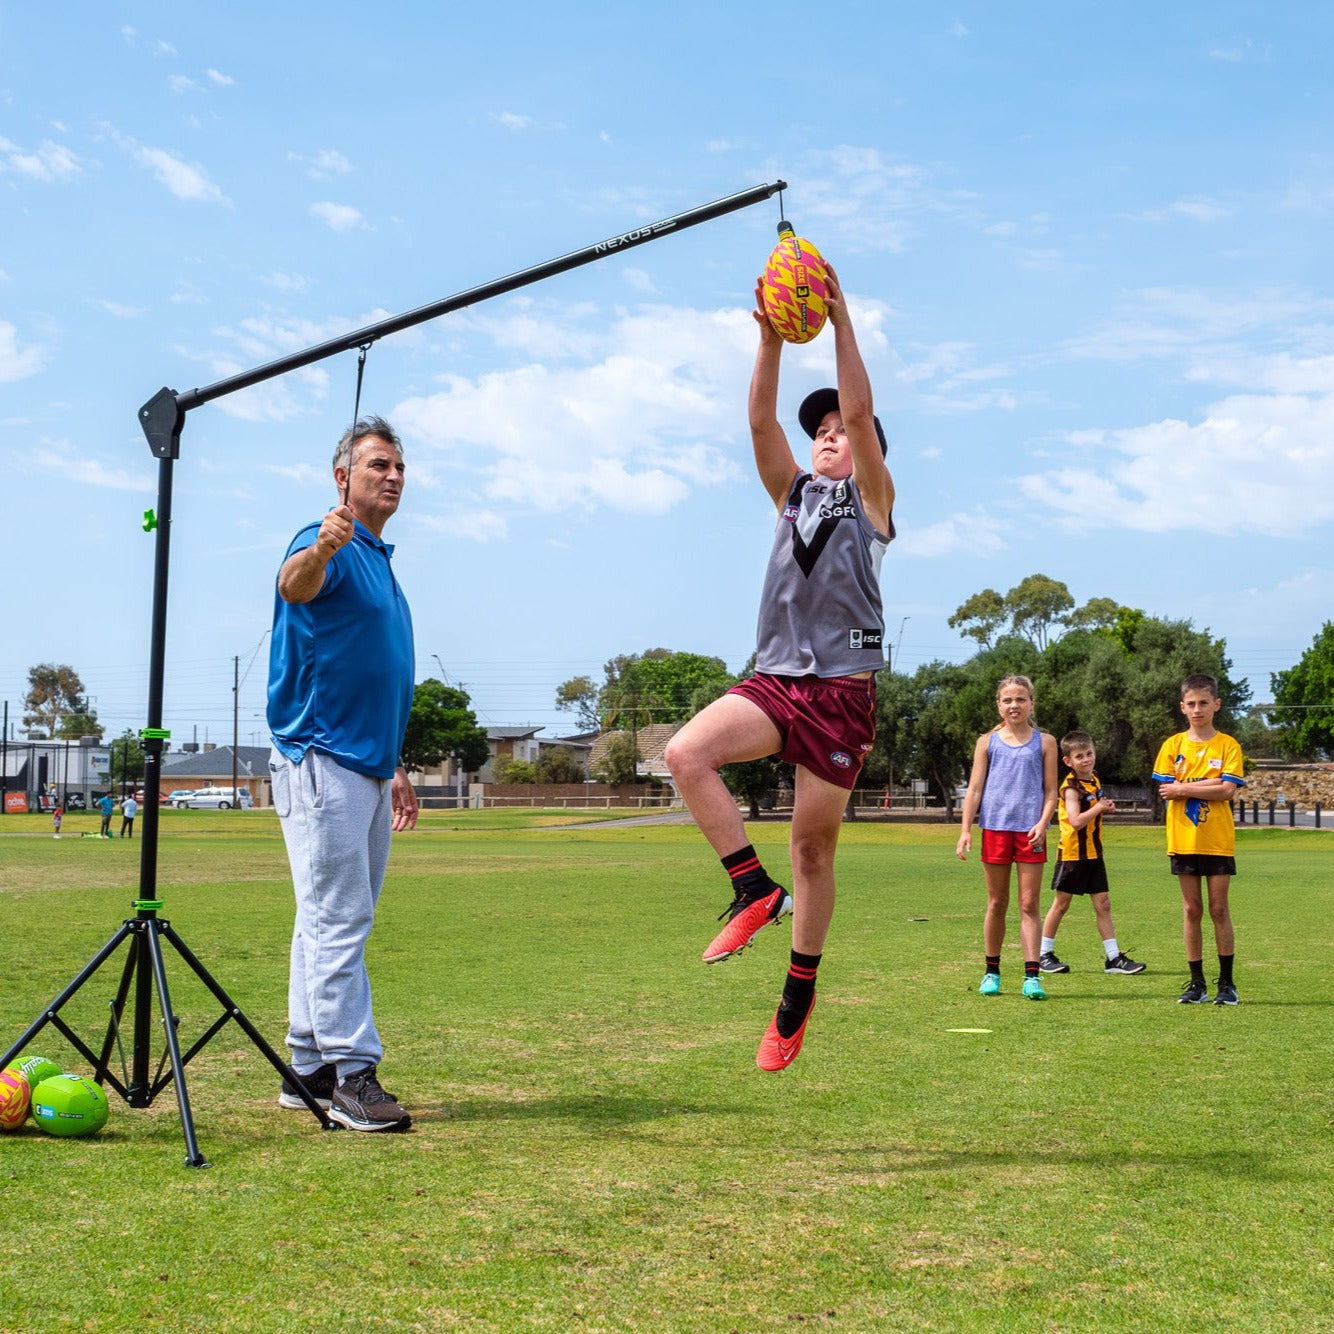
point(1080, 868)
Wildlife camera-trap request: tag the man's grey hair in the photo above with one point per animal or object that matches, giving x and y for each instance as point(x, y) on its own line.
point(362, 427)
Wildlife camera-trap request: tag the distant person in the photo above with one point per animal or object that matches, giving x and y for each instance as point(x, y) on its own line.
point(340, 688)
point(129, 808)
point(57, 816)
point(1080, 868)
point(1199, 772)
point(106, 807)
point(1013, 788)
point(811, 700)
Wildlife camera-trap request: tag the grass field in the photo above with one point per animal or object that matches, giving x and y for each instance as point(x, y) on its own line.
point(593, 1147)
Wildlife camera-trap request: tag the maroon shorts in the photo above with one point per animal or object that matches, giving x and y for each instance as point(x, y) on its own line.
point(1001, 847)
point(826, 724)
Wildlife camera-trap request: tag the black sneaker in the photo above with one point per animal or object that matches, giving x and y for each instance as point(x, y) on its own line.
point(320, 1085)
point(1227, 994)
point(1196, 993)
point(1049, 963)
point(359, 1103)
point(1123, 963)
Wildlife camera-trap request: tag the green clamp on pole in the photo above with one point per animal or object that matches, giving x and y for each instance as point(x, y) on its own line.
point(150, 521)
point(154, 734)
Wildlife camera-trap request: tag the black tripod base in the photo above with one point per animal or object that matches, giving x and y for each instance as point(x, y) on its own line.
point(145, 972)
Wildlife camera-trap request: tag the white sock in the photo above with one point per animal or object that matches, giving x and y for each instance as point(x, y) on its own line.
point(1112, 948)
point(1048, 944)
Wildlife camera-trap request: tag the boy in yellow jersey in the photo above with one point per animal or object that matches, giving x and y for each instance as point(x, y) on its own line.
point(1199, 772)
point(1080, 868)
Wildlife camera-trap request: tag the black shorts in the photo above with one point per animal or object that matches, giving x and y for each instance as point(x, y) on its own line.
point(1202, 864)
point(1080, 877)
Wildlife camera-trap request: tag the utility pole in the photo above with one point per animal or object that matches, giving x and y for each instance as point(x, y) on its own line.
point(236, 723)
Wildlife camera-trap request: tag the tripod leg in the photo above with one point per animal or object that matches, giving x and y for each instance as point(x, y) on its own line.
point(193, 1157)
point(54, 1008)
point(235, 1012)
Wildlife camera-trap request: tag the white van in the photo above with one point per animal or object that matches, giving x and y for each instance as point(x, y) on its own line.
point(214, 798)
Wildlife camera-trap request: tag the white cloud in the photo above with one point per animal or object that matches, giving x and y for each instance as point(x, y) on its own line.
point(326, 163)
point(221, 79)
point(122, 312)
point(633, 415)
point(49, 162)
point(181, 83)
point(185, 181)
point(1253, 463)
point(339, 217)
point(956, 534)
point(17, 362)
point(1193, 210)
point(60, 457)
point(512, 121)
point(958, 29)
point(287, 283)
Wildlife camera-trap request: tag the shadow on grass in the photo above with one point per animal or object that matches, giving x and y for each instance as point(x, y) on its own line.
point(589, 1109)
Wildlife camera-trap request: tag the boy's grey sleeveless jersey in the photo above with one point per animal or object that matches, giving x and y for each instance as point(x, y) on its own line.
point(820, 612)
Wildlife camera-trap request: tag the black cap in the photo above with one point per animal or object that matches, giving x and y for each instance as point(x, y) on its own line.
point(817, 406)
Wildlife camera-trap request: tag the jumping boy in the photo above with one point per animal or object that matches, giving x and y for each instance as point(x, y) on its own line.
point(1199, 772)
point(1080, 868)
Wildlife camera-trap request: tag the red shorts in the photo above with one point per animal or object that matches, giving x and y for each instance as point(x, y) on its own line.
point(1000, 847)
point(826, 724)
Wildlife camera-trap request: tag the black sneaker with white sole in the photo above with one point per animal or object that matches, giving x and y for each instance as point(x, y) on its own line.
point(359, 1103)
point(1196, 993)
point(1226, 994)
point(1123, 963)
point(1049, 963)
point(320, 1084)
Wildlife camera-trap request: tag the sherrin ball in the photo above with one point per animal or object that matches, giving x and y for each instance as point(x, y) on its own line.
point(795, 287)
point(68, 1106)
point(14, 1098)
point(36, 1068)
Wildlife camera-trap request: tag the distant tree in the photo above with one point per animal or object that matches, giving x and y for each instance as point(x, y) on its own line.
point(56, 703)
point(441, 722)
point(510, 770)
point(1037, 605)
point(981, 617)
point(657, 686)
point(620, 764)
point(753, 780)
point(1304, 696)
point(127, 762)
point(1096, 614)
point(579, 695)
point(560, 764)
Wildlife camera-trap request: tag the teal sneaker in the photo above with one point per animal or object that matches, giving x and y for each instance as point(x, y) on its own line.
point(990, 985)
point(1033, 988)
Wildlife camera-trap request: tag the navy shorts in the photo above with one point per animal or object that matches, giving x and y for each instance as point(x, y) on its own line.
point(826, 724)
point(1202, 864)
point(1080, 877)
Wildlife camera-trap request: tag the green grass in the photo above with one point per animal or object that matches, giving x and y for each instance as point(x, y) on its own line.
point(593, 1147)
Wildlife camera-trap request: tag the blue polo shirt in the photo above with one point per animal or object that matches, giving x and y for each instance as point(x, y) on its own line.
point(341, 666)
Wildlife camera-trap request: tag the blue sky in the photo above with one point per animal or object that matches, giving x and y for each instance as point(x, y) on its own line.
point(1087, 249)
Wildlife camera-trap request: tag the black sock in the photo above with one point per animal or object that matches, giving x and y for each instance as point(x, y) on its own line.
point(993, 964)
point(1030, 967)
point(798, 993)
point(1196, 971)
point(749, 879)
point(1224, 969)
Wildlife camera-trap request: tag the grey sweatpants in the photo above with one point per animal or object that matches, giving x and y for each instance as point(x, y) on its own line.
point(336, 825)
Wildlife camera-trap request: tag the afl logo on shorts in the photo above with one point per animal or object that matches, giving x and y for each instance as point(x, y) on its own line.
point(842, 759)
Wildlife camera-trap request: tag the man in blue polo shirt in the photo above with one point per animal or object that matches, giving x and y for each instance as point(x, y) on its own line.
point(340, 688)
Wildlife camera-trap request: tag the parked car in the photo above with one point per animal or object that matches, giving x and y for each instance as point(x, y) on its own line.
point(214, 798)
point(179, 794)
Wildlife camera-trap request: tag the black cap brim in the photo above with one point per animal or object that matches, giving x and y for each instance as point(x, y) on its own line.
point(815, 407)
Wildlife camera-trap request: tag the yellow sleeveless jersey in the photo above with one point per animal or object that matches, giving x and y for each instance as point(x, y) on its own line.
point(1079, 845)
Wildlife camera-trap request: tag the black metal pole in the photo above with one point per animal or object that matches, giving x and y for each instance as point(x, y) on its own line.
point(637, 236)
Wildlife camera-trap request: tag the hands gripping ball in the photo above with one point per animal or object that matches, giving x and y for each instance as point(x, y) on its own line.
point(795, 287)
point(69, 1106)
point(14, 1098)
